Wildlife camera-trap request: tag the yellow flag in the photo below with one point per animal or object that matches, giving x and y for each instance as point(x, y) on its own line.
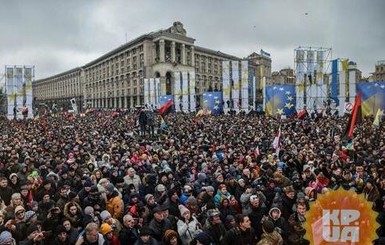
point(345, 65)
point(379, 114)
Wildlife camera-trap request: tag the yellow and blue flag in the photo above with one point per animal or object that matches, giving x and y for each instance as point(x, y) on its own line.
point(373, 97)
point(280, 100)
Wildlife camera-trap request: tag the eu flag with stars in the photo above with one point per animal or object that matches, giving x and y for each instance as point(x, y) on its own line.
point(212, 101)
point(280, 100)
point(373, 97)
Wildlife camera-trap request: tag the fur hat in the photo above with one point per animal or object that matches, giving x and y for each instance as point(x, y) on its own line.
point(144, 231)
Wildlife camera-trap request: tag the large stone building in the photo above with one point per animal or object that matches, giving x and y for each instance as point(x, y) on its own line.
point(379, 74)
point(115, 80)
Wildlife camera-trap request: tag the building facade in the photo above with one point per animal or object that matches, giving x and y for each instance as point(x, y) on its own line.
point(116, 79)
point(379, 74)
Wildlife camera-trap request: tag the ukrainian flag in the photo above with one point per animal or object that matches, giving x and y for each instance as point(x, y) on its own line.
point(373, 97)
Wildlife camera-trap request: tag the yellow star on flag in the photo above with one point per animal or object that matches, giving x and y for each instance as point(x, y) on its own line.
point(289, 105)
point(280, 111)
point(216, 107)
point(288, 92)
point(289, 98)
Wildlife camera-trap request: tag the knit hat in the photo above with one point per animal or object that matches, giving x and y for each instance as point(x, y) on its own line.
point(29, 215)
point(229, 218)
point(147, 197)
point(105, 228)
point(202, 176)
point(192, 201)
point(87, 183)
point(60, 229)
point(268, 226)
point(88, 210)
point(12, 175)
point(169, 234)
point(110, 187)
point(104, 215)
point(210, 188)
point(5, 237)
point(19, 208)
point(183, 209)
point(204, 238)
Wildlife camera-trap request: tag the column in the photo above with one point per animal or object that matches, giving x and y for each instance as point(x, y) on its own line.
point(192, 56)
point(161, 50)
point(132, 101)
point(172, 51)
point(125, 102)
point(183, 54)
point(154, 53)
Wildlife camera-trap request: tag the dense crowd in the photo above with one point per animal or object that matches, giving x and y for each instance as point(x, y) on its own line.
point(104, 179)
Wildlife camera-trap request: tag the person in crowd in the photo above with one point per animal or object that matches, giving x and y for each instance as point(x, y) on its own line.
point(130, 231)
point(242, 233)
point(270, 235)
point(188, 226)
point(145, 237)
point(91, 236)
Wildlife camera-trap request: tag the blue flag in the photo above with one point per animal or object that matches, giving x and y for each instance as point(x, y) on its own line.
point(280, 100)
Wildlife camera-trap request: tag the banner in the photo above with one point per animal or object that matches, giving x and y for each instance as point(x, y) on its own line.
point(226, 83)
point(300, 75)
point(152, 93)
point(146, 92)
point(280, 100)
point(28, 76)
point(74, 106)
point(334, 88)
point(192, 91)
point(244, 85)
point(157, 92)
point(235, 84)
point(178, 92)
point(11, 92)
point(185, 95)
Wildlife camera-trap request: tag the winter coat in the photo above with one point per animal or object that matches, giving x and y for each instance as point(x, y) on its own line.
point(187, 232)
point(114, 205)
point(273, 238)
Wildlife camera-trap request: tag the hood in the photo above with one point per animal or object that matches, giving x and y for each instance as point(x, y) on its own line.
point(272, 209)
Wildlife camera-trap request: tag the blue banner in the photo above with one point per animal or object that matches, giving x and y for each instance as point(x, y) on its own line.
point(212, 101)
point(334, 85)
point(280, 100)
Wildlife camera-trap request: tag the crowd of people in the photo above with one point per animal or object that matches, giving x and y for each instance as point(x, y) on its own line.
point(100, 179)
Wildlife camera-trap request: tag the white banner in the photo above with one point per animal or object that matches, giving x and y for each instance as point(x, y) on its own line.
point(226, 84)
point(245, 85)
point(192, 91)
point(74, 106)
point(236, 82)
point(157, 92)
point(300, 83)
point(146, 92)
point(10, 91)
point(28, 76)
point(185, 87)
point(178, 91)
point(152, 93)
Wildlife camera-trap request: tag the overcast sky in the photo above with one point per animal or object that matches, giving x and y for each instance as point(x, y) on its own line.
point(56, 36)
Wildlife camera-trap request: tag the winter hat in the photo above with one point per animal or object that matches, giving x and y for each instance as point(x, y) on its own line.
point(105, 228)
point(202, 176)
point(60, 229)
point(104, 215)
point(169, 234)
point(229, 218)
point(31, 229)
point(34, 204)
point(29, 215)
point(5, 237)
point(192, 201)
point(12, 175)
point(268, 226)
point(144, 231)
point(171, 192)
point(110, 187)
point(160, 188)
point(147, 197)
point(87, 183)
point(19, 208)
point(88, 210)
point(204, 238)
point(183, 209)
point(210, 188)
